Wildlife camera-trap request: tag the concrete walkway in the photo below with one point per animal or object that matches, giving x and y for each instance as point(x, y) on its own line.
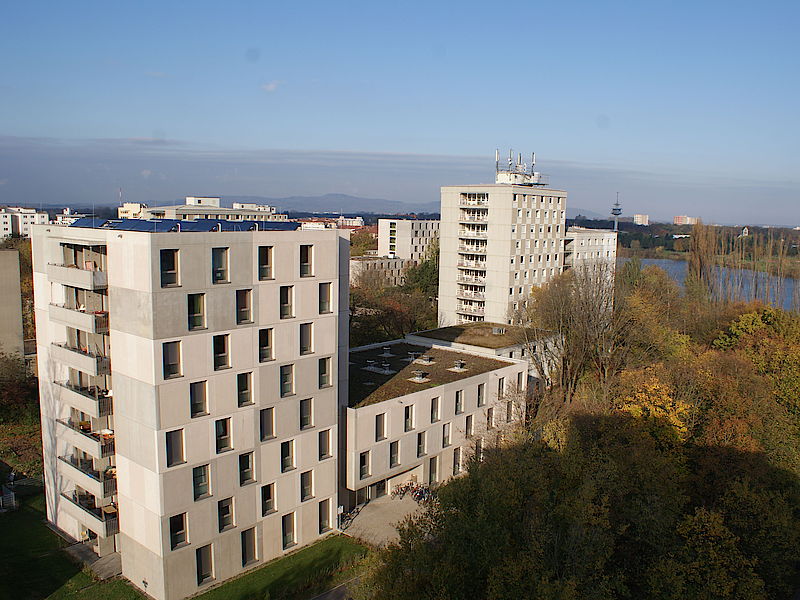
point(104, 568)
point(376, 523)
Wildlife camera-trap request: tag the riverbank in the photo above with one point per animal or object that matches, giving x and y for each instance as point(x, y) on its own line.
point(787, 267)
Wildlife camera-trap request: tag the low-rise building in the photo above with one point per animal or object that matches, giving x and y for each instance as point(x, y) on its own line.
point(17, 221)
point(69, 216)
point(201, 207)
point(589, 246)
point(407, 238)
point(379, 269)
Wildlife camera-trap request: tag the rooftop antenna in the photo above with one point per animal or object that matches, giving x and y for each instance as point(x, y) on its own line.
point(497, 160)
point(510, 158)
point(616, 211)
point(533, 161)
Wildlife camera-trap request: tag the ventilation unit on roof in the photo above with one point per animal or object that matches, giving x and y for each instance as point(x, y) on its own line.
point(426, 359)
point(460, 365)
point(419, 377)
point(498, 330)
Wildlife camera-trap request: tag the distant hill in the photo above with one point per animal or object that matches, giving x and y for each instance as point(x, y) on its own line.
point(574, 212)
point(338, 203)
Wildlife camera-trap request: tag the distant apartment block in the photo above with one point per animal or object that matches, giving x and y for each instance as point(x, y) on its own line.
point(68, 217)
point(379, 270)
point(190, 383)
point(497, 242)
point(200, 207)
point(586, 246)
point(406, 238)
point(17, 221)
point(641, 219)
point(11, 340)
point(684, 220)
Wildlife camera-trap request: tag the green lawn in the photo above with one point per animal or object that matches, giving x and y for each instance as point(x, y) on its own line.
point(33, 567)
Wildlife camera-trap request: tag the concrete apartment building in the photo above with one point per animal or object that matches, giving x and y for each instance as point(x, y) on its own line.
point(641, 220)
point(418, 412)
point(406, 238)
point(11, 340)
point(497, 241)
point(190, 383)
point(684, 220)
point(586, 246)
point(17, 221)
point(387, 271)
point(201, 207)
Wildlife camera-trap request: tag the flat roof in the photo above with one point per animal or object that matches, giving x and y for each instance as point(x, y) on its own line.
point(376, 375)
point(479, 333)
point(175, 225)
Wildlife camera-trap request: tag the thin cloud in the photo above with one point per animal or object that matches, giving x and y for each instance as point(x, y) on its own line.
point(271, 86)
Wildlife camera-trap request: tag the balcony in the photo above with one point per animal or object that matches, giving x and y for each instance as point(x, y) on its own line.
point(472, 249)
point(472, 264)
point(99, 444)
point(83, 473)
point(471, 279)
point(104, 521)
point(471, 233)
point(469, 294)
point(80, 359)
point(484, 218)
point(92, 401)
point(71, 275)
point(91, 322)
point(470, 309)
point(472, 202)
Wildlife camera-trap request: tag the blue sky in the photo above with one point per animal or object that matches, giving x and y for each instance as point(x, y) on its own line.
point(682, 107)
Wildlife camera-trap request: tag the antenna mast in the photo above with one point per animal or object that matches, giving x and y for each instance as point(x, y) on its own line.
point(616, 211)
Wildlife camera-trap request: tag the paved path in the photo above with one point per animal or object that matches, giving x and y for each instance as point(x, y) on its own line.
point(376, 523)
point(104, 568)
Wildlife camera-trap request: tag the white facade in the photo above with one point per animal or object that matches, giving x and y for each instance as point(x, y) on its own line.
point(68, 217)
point(17, 221)
point(590, 246)
point(216, 450)
point(684, 220)
point(209, 208)
point(497, 241)
point(389, 271)
point(406, 238)
point(641, 219)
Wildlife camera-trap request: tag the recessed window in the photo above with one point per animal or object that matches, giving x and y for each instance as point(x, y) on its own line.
point(219, 265)
point(175, 448)
point(456, 461)
point(501, 387)
point(306, 416)
point(221, 358)
point(324, 444)
point(267, 423)
point(489, 418)
point(434, 410)
point(306, 486)
point(287, 456)
point(306, 341)
point(200, 482)
point(244, 310)
point(394, 454)
point(363, 465)
point(196, 306)
point(509, 411)
point(265, 263)
point(325, 298)
point(433, 470)
point(408, 420)
point(267, 499)
point(222, 430)
point(306, 260)
point(479, 449)
point(287, 530)
point(198, 403)
point(421, 444)
point(325, 516)
point(459, 402)
point(169, 268)
point(468, 429)
point(265, 351)
point(380, 427)
point(246, 470)
point(205, 568)
point(445, 435)
point(177, 531)
point(244, 391)
point(287, 380)
point(324, 367)
point(481, 394)
point(225, 514)
point(172, 359)
point(249, 546)
point(286, 302)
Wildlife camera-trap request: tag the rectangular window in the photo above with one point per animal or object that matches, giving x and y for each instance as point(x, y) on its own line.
point(267, 499)
point(434, 410)
point(324, 444)
point(197, 311)
point(394, 454)
point(198, 403)
point(481, 394)
point(225, 514)
point(324, 298)
point(175, 448)
point(244, 309)
point(266, 419)
point(380, 427)
point(306, 486)
point(172, 359)
point(324, 367)
point(456, 461)
point(248, 546)
point(479, 449)
point(222, 431)
point(501, 387)
point(177, 531)
point(264, 262)
point(219, 265)
point(169, 268)
point(286, 302)
point(200, 482)
point(265, 351)
point(287, 456)
point(306, 258)
point(306, 340)
point(519, 381)
point(221, 359)
point(459, 402)
point(287, 530)
point(509, 411)
point(205, 569)
point(421, 444)
point(244, 391)
point(408, 421)
point(246, 469)
point(433, 470)
point(489, 418)
point(363, 465)
point(287, 380)
point(324, 516)
point(445, 435)
point(306, 416)
point(468, 429)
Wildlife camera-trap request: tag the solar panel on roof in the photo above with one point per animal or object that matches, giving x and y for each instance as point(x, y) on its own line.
point(198, 225)
point(91, 222)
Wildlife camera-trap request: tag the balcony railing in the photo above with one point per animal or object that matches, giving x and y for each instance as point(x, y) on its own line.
point(471, 233)
point(474, 218)
point(472, 264)
point(471, 294)
point(81, 359)
point(104, 438)
point(74, 276)
point(105, 518)
point(469, 309)
point(471, 279)
point(106, 480)
point(92, 401)
point(92, 322)
point(465, 202)
point(472, 249)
